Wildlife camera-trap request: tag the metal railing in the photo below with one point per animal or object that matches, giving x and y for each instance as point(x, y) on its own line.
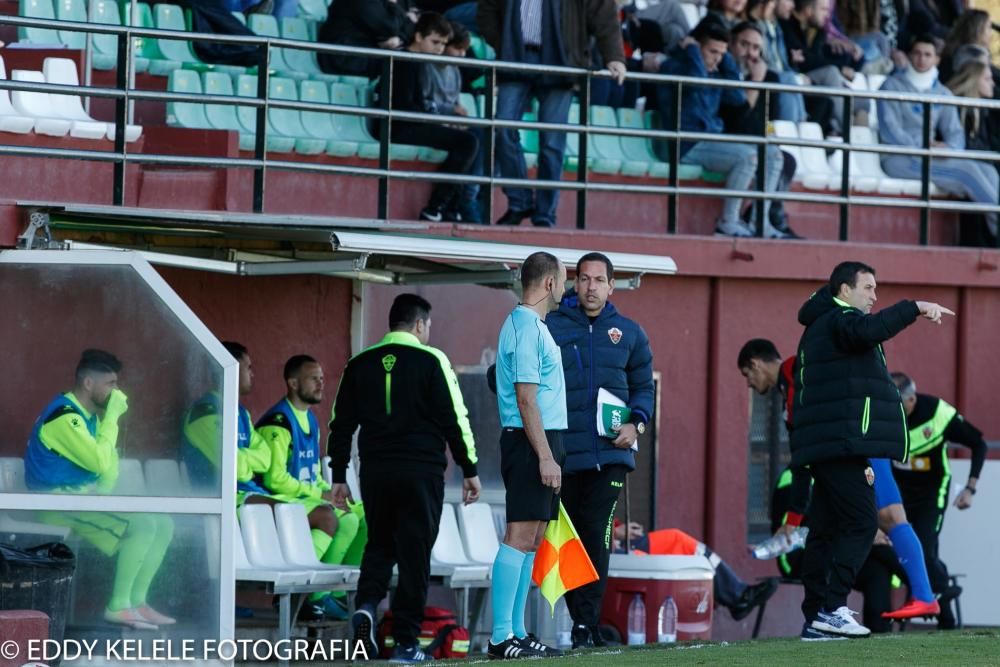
point(125, 94)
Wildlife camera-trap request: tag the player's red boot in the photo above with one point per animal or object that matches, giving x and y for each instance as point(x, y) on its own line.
point(914, 609)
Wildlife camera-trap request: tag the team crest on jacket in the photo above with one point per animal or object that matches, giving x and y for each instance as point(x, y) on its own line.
point(870, 476)
point(615, 334)
point(928, 432)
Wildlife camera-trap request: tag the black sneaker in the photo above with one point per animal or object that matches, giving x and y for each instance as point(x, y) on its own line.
point(510, 649)
point(531, 641)
point(408, 655)
point(432, 214)
point(512, 217)
point(598, 638)
point(582, 637)
point(453, 215)
point(363, 627)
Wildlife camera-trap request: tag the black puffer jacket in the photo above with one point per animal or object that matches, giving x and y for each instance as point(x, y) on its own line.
point(846, 405)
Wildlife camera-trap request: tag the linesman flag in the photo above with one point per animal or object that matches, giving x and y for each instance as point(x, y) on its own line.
point(561, 563)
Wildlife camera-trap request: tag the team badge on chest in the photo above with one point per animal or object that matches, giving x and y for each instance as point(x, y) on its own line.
point(615, 334)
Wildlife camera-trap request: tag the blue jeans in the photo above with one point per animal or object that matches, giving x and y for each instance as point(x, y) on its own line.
point(465, 14)
point(739, 163)
point(976, 181)
point(553, 107)
point(791, 106)
point(285, 8)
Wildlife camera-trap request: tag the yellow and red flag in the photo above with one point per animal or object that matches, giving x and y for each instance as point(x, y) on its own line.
point(561, 563)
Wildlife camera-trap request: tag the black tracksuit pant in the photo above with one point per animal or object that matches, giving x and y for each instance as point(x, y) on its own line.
point(590, 498)
point(403, 510)
point(462, 147)
point(842, 524)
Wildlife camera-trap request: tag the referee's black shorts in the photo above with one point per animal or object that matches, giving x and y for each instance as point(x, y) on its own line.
point(527, 498)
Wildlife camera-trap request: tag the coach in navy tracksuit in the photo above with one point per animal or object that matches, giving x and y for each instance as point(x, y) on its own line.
point(600, 349)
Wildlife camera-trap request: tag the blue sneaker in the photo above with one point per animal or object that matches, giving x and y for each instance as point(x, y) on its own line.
point(840, 622)
point(408, 654)
point(363, 628)
point(811, 634)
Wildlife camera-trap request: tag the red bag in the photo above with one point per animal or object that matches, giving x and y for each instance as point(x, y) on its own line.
point(440, 635)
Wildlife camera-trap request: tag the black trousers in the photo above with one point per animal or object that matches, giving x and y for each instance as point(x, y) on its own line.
point(403, 511)
point(842, 524)
point(590, 498)
point(462, 147)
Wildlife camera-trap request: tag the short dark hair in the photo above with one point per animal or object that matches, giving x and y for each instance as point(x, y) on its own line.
point(757, 348)
point(710, 28)
point(459, 36)
point(744, 26)
point(802, 5)
point(238, 350)
point(407, 309)
point(295, 364)
point(847, 273)
point(96, 361)
point(925, 38)
point(433, 23)
point(537, 267)
point(596, 257)
point(904, 383)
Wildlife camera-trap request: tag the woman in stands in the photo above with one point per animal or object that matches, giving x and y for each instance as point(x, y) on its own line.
point(732, 12)
point(972, 27)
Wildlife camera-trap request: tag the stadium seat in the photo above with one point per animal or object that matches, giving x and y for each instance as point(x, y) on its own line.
point(609, 146)
point(171, 17)
point(164, 477)
point(816, 171)
point(292, 525)
point(37, 9)
point(223, 116)
point(448, 557)
point(320, 124)
point(260, 540)
point(38, 106)
point(107, 12)
point(471, 104)
point(870, 164)
point(482, 50)
point(245, 571)
point(72, 10)
point(131, 481)
point(247, 116)
point(12, 475)
point(11, 120)
point(312, 9)
point(690, 14)
point(596, 161)
point(299, 60)
point(529, 141)
point(148, 47)
point(287, 122)
point(63, 71)
point(266, 25)
point(355, 129)
point(241, 17)
point(186, 114)
point(477, 531)
point(641, 149)
point(12, 481)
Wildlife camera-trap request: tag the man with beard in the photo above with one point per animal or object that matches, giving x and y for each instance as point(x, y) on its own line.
point(73, 448)
point(291, 431)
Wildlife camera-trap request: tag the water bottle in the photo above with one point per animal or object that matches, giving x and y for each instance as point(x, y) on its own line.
point(777, 545)
point(667, 622)
point(637, 621)
point(564, 625)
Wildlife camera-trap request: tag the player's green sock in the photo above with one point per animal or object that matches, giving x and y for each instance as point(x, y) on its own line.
point(347, 529)
point(160, 534)
point(321, 542)
point(131, 552)
point(357, 548)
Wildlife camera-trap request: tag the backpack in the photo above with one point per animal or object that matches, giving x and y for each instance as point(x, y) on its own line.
point(440, 635)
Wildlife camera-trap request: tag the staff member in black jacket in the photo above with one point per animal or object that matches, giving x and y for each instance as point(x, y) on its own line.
point(925, 477)
point(847, 410)
point(405, 397)
point(601, 349)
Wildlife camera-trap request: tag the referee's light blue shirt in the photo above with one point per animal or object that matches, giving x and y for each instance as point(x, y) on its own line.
point(527, 354)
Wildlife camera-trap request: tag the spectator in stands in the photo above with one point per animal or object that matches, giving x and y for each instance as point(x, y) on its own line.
point(809, 53)
point(933, 17)
point(704, 55)
point(862, 21)
point(409, 85)
point(730, 12)
point(443, 94)
point(292, 432)
point(531, 31)
point(748, 117)
point(972, 28)
point(670, 23)
point(901, 124)
point(73, 448)
point(386, 24)
point(728, 588)
point(457, 11)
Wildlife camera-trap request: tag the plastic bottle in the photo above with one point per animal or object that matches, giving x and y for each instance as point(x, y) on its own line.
point(777, 545)
point(667, 622)
point(564, 625)
point(637, 621)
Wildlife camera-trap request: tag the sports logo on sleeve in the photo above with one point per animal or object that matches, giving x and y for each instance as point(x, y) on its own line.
point(615, 334)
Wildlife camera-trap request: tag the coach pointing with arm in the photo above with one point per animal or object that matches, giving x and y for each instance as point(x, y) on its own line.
point(847, 410)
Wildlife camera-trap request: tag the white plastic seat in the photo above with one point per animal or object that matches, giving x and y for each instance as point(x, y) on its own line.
point(70, 108)
point(131, 481)
point(38, 106)
point(817, 174)
point(875, 82)
point(12, 481)
point(786, 129)
point(294, 536)
point(12, 475)
point(246, 571)
point(870, 163)
point(690, 14)
point(63, 71)
point(478, 534)
point(448, 557)
point(163, 477)
point(10, 119)
point(352, 477)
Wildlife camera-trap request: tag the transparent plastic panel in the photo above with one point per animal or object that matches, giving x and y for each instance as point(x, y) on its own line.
point(52, 313)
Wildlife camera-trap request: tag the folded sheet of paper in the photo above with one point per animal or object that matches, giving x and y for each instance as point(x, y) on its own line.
point(612, 413)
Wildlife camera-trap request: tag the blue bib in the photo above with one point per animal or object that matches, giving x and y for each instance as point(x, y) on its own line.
point(45, 469)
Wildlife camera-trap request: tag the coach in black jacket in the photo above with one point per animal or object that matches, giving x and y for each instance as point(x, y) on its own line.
point(847, 410)
point(601, 349)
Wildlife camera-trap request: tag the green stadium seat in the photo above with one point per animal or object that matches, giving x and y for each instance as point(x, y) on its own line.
point(482, 50)
point(609, 146)
point(106, 46)
point(595, 162)
point(241, 17)
point(37, 9)
point(637, 149)
point(651, 121)
point(171, 17)
point(320, 124)
point(287, 122)
point(468, 100)
point(246, 86)
point(186, 114)
point(313, 9)
point(529, 141)
point(72, 10)
point(266, 25)
point(148, 48)
point(302, 61)
point(356, 81)
point(355, 128)
point(224, 117)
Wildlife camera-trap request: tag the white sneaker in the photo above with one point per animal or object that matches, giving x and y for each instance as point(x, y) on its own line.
point(840, 622)
point(734, 228)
